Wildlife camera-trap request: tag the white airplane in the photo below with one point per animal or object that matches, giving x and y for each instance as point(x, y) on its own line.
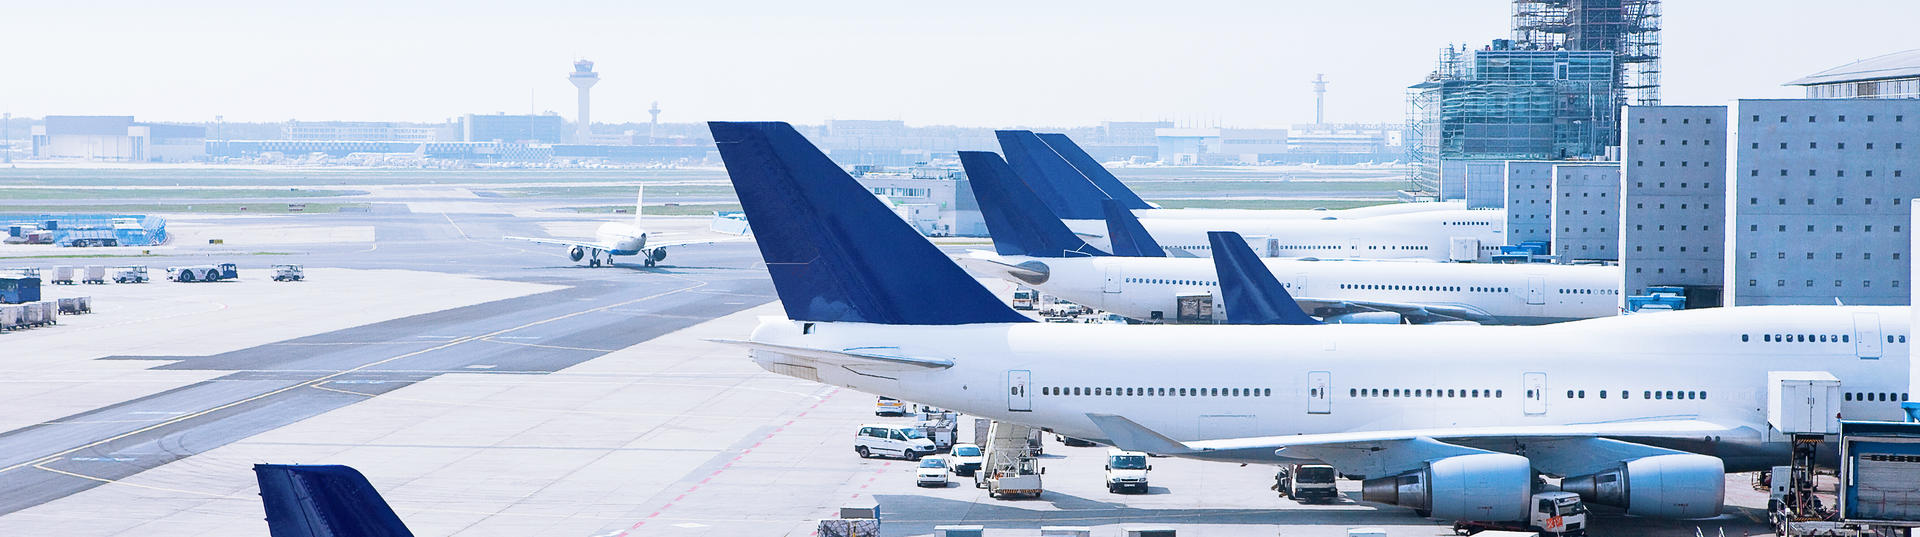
point(1646, 412)
point(1398, 231)
point(1140, 282)
point(621, 238)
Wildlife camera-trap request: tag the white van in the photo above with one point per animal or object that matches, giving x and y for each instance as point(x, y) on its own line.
point(1127, 471)
point(903, 441)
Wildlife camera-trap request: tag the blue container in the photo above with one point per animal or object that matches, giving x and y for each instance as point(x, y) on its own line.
point(19, 290)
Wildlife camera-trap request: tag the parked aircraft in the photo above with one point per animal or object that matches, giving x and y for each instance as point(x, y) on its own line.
point(324, 501)
point(1646, 412)
point(1035, 249)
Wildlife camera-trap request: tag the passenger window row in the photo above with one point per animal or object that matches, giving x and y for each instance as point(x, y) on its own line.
point(1170, 281)
point(1469, 223)
point(1390, 287)
point(1589, 291)
point(1806, 338)
point(1876, 397)
point(1155, 392)
point(1903, 338)
point(1423, 392)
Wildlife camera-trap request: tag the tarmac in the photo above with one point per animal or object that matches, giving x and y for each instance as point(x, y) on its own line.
point(491, 387)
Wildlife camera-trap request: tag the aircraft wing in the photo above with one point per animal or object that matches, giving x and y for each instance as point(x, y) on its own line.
point(1419, 313)
point(565, 242)
point(1561, 449)
point(694, 242)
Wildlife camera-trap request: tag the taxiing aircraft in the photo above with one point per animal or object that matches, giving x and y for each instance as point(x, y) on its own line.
point(1646, 412)
point(1033, 248)
point(620, 238)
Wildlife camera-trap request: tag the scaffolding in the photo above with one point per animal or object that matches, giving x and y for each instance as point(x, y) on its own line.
point(1628, 28)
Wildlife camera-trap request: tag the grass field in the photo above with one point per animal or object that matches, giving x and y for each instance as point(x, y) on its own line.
point(695, 209)
point(597, 191)
point(176, 208)
point(12, 194)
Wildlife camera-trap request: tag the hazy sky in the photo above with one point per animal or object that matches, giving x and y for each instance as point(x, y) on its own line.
point(976, 63)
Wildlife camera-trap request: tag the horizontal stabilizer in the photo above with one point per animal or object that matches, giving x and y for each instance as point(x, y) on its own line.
point(324, 501)
point(1130, 239)
point(1252, 295)
point(854, 356)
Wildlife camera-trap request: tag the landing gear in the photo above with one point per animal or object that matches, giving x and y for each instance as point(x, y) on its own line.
point(649, 262)
point(595, 262)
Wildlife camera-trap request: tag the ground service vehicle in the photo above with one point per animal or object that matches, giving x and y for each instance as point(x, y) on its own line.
point(62, 275)
point(888, 406)
point(94, 274)
point(931, 473)
point(966, 459)
point(1023, 298)
point(903, 441)
point(203, 273)
point(1307, 483)
point(1552, 513)
point(130, 274)
point(1127, 471)
point(289, 273)
point(1012, 464)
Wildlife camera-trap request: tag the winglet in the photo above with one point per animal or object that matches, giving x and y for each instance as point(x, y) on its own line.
point(639, 197)
point(1108, 184)
point(1016, 218)
point(324, 501)
point(1130, 239)
point(1070, 195)
point(834, 251)
point(1251, 293)
point(1131, 436)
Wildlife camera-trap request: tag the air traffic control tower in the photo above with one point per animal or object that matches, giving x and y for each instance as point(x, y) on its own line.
point(584, 78)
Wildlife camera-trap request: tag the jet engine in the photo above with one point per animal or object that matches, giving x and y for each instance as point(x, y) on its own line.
point(1681, 485)
point(1364, 317)
point(658, 254)
point(1482, 486)
point(576, 253)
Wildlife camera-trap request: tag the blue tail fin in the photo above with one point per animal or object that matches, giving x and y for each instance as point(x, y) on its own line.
point(1108, 184)
point(1019, 222)
point(1251, 293)
point(1129, 238)
point(1070, 195)
point(834, 251)
point(324, 501)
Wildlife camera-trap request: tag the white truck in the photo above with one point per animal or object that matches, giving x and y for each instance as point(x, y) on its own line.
point(1127, 471)
point(289, 273)
point(203, 273)
point(1307, 483)
point(130, 274)
point(1023, 298)
point(1011, 467)
point(1551, 513)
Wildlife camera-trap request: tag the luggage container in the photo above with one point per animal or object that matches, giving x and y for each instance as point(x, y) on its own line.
point(36, 315)
point(13, 316)
point(95, 274)
point(76, 305)
point(19, 290)
point(86, 304)
point(62, 275)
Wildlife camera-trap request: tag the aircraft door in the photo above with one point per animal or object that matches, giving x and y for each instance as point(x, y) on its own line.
point(1536, 290)
point(1273, 247)
point(1536, 394)
point(1866, 335)
point(1320, 392)
point(1114, 278)
point(1019, 396)
point(1299, 284)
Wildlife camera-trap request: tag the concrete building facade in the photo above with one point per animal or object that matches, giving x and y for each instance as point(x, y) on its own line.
point(1820, 201)
point(1586, 211)
point(117, 139)
point(1528, 191)
point(542, 128)
point(1674, 213)
point(936, 201)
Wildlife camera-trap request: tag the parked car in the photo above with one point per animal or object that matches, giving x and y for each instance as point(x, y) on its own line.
point(888, 406)
point(965, 459)
point(932, 472)
point(903, 441)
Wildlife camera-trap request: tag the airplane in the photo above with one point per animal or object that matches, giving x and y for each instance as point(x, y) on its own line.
point(1395, 233)
point(1645, 412)
point(324, 501)
point(1033, 158)
point(620, 238)
point(1033, 248)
